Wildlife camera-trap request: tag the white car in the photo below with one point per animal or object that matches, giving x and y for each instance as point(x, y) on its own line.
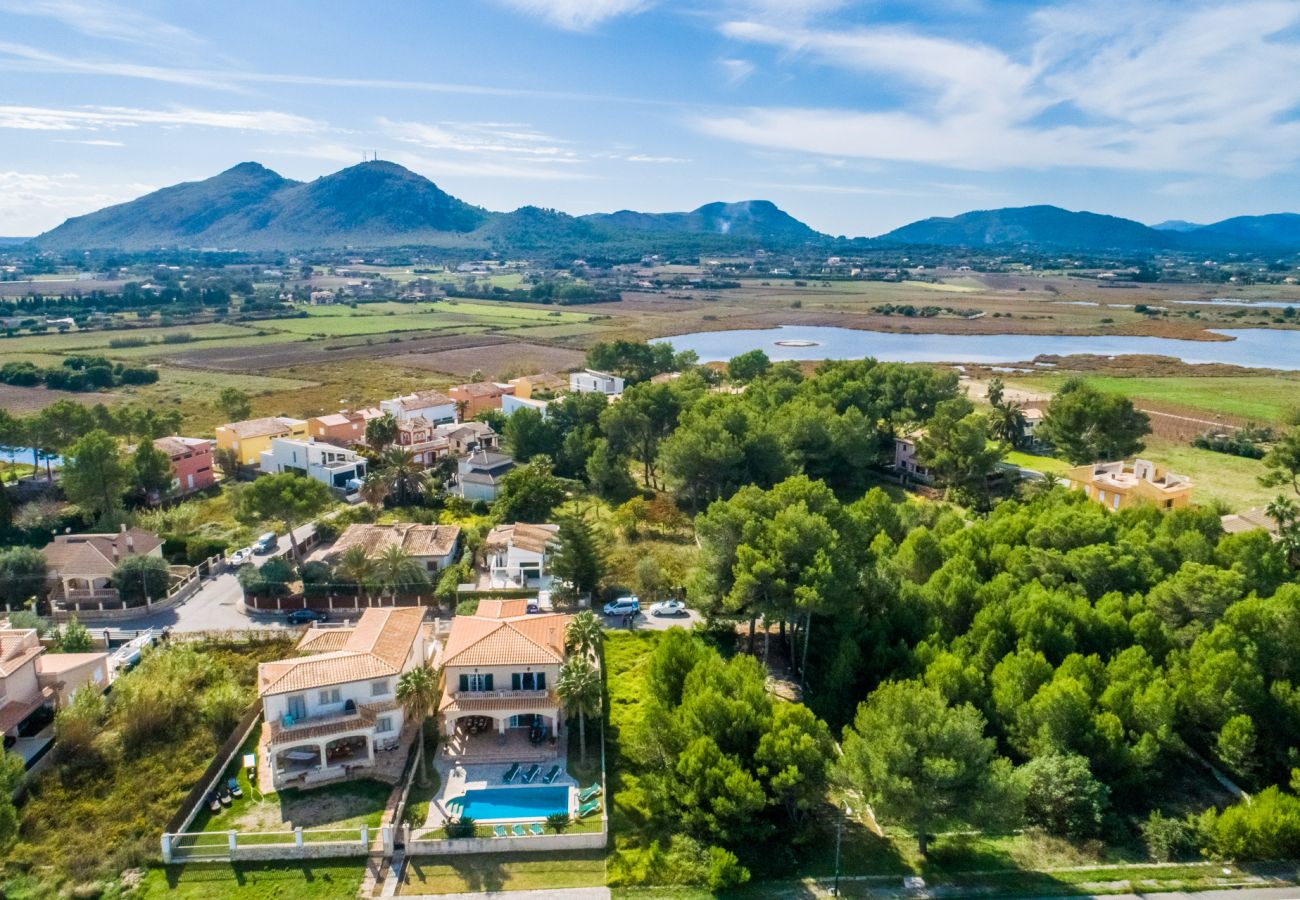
point(669, 608)
point(623, 606)
point(240, 557)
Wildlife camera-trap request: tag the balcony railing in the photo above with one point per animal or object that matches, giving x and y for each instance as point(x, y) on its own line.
point(501, 695)
point(289, 727)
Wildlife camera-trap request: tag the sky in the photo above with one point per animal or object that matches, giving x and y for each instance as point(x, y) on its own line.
point(855, 117)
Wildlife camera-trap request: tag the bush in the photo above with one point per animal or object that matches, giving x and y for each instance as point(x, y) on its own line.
point(725, 870)
point(138, 578)
point(459, 828)
point(1266, 827)
point(222, 707)
point(1062, 796)
point(199, 548)
point(1168, 839)
point(558, 821)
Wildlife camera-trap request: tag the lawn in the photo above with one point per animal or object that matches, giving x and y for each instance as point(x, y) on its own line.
point(1260, 398)
point(504, 872)
point(306, 880)
point(1037, 463)
point(1222, 477)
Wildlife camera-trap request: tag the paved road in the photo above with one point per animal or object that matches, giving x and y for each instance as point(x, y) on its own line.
point(592, 893)
point(646, 622)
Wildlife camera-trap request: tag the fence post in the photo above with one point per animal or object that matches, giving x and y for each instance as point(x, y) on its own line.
point(297, 837)
point(167, 848)
point(387, 832)
point(234, 840)
point(365, 836)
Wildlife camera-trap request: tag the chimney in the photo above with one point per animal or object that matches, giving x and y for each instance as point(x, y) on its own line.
point(130, 543)
point(121, 529)
point(116, 555)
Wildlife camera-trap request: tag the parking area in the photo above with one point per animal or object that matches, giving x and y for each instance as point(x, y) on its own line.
point(646, 622)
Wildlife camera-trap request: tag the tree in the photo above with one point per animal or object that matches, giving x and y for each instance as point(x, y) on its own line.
point(381, 432)
point(227, 460)
point(398, 571)
point(374, 490)
point(1286, 515)
point(95, 476)
point(1283, 461)
point(607, 473)
point(403, 475)
point(234, 404)
point(74, 638)
point(1062, 796)
point(529, 492)
point(151, 471)
point(578, 561)
point(794, 756)
point(418, 690)
point(140, 578)
point(922, 762)
point(271, 579)
point(285, 497)
point(579, 689)
point(997, 390)
point(715, 797)
point(748, 366)
point(639, 421)
point(957, 451)
point(528, 434)
point(1086, 425)
point(22, 575)
point(585, 635)
point(57, 427)
point(1007, 424)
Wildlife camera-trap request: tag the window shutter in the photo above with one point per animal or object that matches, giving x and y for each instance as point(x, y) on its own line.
point(514, 681)
point(541, 681)
point(487, 682)
point(464, 682)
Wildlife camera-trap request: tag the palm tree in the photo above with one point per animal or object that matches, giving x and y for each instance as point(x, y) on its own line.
point(397, 570)
point(417, 691)
point(1007, 423)
point(356, 567)
point(374, 490)
point(402, 474)
point(585, 635)
point(579, 690)
point(1282, 510)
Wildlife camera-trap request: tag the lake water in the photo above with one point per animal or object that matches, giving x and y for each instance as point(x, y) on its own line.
point(1223, 301)
point(1253, 347)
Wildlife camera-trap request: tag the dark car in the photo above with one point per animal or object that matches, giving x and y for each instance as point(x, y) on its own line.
point(306, 616)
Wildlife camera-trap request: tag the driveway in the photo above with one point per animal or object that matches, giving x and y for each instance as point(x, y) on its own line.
point(216, 606)
point(646, 622)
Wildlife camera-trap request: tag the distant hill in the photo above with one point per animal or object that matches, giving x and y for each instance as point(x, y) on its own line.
point(1040, 226)
point(377, 204)
point(13, 241)
point(1282, 229)
point(1176, 225)
point(746, 219)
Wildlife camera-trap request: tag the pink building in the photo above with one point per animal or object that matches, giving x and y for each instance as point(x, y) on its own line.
point(191, 463)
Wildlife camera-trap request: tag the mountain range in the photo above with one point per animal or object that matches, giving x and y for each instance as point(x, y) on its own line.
point(377, 203)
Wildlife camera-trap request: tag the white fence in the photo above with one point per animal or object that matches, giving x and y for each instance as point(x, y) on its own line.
point(426, 842)
point(236, 846)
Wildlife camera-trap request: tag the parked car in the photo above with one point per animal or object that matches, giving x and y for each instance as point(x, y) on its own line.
point(266, 543)
point(240, 557)
point(306, 616)
point(622, 606)
point(669, 608)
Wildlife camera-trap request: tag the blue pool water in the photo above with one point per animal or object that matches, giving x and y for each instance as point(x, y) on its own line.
point(515, 802)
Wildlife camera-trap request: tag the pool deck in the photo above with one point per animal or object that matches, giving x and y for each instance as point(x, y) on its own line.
point(457, 778)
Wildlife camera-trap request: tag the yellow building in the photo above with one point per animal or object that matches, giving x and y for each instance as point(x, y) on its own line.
point(1118, 485)
point(250, 438)
point(544, 385)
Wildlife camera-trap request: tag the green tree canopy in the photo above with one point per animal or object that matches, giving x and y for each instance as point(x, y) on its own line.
point(95, 476)
point(141, 577)
point(1086, 425)
point(286, 497)
point(529, 493)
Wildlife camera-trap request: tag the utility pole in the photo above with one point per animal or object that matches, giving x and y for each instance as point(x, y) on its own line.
point(839, 835)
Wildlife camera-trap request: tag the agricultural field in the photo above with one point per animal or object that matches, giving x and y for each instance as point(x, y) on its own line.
point(1265, 399)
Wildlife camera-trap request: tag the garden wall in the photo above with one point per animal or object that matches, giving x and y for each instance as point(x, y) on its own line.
point(426, 843)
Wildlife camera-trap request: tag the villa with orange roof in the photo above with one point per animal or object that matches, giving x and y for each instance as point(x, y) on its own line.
point(501, 665)
point(327, 713)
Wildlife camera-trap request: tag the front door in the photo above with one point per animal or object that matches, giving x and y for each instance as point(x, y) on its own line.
point(298, 706)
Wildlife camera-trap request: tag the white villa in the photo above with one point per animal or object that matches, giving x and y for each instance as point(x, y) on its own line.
point(435, 406)
point(329, 464)
point(328, 713)
point(516, 555)
point(502, 664)
point(590, 381)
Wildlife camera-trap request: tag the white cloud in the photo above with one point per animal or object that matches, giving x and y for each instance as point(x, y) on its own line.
point(97, 142)
point(577, 15)
point(36, 118)
point(108, 21)
point(482, 138)
point(1163, 87)
point(736, 70)
point(31, 203)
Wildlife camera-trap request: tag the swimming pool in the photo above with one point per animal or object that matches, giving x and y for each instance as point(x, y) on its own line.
point(486, 804)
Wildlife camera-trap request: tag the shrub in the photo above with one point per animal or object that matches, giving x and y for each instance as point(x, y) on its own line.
point(199, 548)
point(1265, 827)
point(459, 828)
point(77, 724)
point(1168, 839)
point(138, 578)
point(221, 708)
point(1062, 796)
point(725, 870)
point(558, 821)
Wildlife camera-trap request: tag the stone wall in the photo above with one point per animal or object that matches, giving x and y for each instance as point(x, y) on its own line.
point(431, 845)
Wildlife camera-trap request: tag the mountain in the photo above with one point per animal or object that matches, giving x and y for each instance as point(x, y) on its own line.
point(1176, 225)
point(748, 219)
point(1043, 226)
point(1282, 229)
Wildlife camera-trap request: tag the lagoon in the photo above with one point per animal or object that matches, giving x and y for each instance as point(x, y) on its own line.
point(1269, 348)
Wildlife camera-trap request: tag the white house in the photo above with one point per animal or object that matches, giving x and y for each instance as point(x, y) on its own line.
point(435, 406)
point(478, 476)
point(511, 404)
point(329, 464)
point(517, 555)
point(327, 713)
point(589, 381)
point(432, 546)
point(905, 461)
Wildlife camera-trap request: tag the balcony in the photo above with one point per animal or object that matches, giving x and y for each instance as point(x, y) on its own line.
point(321, 726)
point(500, 695)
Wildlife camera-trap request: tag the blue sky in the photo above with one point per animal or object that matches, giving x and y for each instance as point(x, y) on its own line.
point(856, 117)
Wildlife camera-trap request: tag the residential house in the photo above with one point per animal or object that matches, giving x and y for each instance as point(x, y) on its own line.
point(478, 476)
point(79, 567)
point(510, 405)
point(435, 406)
point(250, 439)
point(191, 460)
point(31, 678)
point(432, 546)
point(517, 555)
point(1033, 418)
point(1118, 485)
point(542, 386)
point(329, 712)
point(422, 438)
point(590, 381)
point(466, 437)
point(502, 663)
point(331, 465)
point(1253, 519)
point(905, 461)
point(477, 396)
point(342, 428)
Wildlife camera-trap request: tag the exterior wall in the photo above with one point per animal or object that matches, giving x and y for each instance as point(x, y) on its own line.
point(21, 685)
point(476, 403)
point(472, 491)
point(511, 404)
point(326, 463)
point(501, 675)
point(592, 382)
point(351, 432)
point(193, 472)
point(250, 449)
point(417, 845)
point(93, 670)
point(437, 415)
point(1122, 497)
point(905, 460)
point(275, 706)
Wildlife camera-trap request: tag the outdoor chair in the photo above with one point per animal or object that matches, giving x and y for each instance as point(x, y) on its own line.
point(499, 831)
point(535, 829)
point(551, 775)
point(588, 793)
point(588, 808)
point(531, 773)
point(510, 773)
point(518, 831)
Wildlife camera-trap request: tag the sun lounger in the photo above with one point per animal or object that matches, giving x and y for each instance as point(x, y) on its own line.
point(510, 773)
point(499, 830)
point(535, 828)
point(588, 793)
point(531, 773)
point(588, 808)
point(551, 775)
point(518, 831)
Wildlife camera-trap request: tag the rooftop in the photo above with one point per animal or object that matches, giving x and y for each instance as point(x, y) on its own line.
point(377, 647)
point(261, 427)
point(483, 389)
point(417, 540)
point(175, 445)
point(522, 535)
point(500, 639)
point(97, 554)
point(423, 399)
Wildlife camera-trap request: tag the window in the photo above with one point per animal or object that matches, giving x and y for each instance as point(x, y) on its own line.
point(528, 681)
point(476, 682)
point(378, 688)
point(383, 724)
point(330, 695)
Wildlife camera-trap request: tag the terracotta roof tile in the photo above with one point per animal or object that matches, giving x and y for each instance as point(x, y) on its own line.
point(377, 647)
point(417, 540)
point(521, 640)
point(263, 426)
point(92, 554)
point(527, 537)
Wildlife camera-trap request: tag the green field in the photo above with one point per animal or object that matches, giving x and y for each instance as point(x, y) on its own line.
point(1222, 477)
point(85, 340)
point(504, 872)
point(1260, 398)
point(1038, 463)
point(302, 880)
